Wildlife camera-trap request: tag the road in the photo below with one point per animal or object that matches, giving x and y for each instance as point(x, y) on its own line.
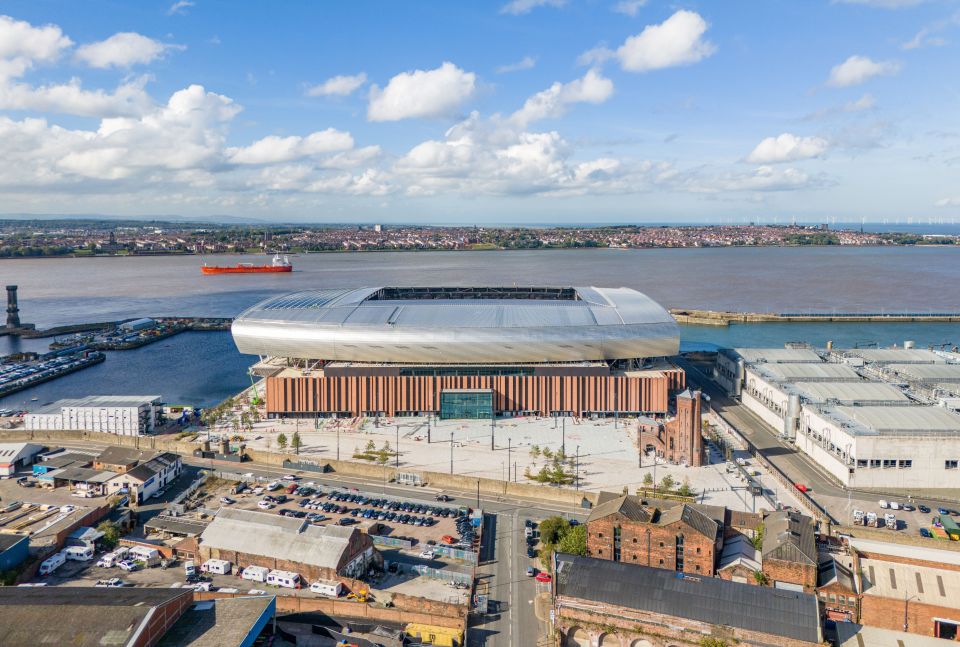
point(503, 558)
point(836, 499)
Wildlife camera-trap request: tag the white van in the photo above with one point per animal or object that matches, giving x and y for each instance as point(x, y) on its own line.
point(216, 566)
point(108, 561)
point(883, 504)
point(890, 521)
point(286, 579)
point(52, 563)
point(330, 589)
point(189, 569)
point(79, 553)
point(255, 573)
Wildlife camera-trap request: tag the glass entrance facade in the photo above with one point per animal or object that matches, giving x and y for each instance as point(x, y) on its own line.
point(466, 404)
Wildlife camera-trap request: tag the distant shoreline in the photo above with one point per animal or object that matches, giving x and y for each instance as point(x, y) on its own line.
point(480, 249)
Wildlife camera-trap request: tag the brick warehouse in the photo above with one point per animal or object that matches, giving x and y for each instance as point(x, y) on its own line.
point(463, 352)
point(248, 538)
point(661, 534)
point(599, 602)
point(679, 440)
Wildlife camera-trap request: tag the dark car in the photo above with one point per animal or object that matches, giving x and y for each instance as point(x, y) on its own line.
point(924, 509)
point(443, 497)
point(925, 533)
point(531, 551)
point(347, 521)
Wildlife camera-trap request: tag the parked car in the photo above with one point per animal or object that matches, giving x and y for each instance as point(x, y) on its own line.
point(290, 477)
point(924, 509)
point(443, 497)
point(427, 554)
point(531, 571)
point(264, 505)
point(925, 533)
point(225, 500)
point(129, 565)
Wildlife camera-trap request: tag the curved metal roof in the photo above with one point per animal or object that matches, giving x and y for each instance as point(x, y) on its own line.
point(459, 325)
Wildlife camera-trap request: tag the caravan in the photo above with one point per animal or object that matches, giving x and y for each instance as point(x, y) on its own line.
point(328, 588)
point(52, 563)
point(149, 556)
point(255, 573)
point(216, 567)
point(285, 579)
point(79, 553)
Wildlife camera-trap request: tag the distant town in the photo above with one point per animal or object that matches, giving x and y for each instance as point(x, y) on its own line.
point(29, 238)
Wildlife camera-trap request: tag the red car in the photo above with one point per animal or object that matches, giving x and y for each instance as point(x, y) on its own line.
point(801, 487)
point(543, 577)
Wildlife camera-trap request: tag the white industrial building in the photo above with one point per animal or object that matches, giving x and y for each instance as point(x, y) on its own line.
point(867, 416)
point(123, 415)
point(884, 446)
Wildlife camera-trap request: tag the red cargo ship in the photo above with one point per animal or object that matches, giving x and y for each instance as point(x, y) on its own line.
point(279, 264)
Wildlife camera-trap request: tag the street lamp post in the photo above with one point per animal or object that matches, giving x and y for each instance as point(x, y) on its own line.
point(396, 450)
point(451, 452)
point(576, 476)
point(508, 459)
point(338, 440)
point(563, 436)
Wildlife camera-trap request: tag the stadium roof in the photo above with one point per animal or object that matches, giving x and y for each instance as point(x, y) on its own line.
point(851, 392)
point(459, 325)
point(896, 355)
point(789, 614)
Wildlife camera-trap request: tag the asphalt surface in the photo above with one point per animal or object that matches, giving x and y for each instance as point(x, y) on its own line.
point(503, 557)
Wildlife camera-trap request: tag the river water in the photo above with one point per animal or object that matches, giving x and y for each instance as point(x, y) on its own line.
point(200, 368)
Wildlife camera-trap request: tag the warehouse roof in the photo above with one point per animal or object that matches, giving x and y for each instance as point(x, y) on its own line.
point(926, 372)
point(895, 355)
point(822, 372)
point(789, 614)
point(779, 355)
point(182, 526)
point(286, 538)
point(897, 420)
point(226, 621)
point(907, 551)
point(7, 541)
point(463, 324)
point(851, 392)
point(923, 584)
point(125, 455)
point(833, 572)
point(854, 635)
point(629, 506)
point(13, 452)
point(81, 617)
point(83, 475)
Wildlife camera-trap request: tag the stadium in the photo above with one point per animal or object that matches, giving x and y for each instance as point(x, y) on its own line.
point(464, 352)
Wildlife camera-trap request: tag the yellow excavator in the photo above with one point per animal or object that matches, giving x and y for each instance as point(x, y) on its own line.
point(360, 596)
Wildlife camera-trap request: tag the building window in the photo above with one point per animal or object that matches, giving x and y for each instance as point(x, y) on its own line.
point(697, 567)
point(889, 462)
point(861, 462)
point(661, 562)
point(600, 535)
point(823, 596)
point(874, 462)
point(905, 464)
point(951, 465)
point(661, 543)
point(616, 543)
point(698, 550)
point(842, 599)
point(833, 598)
point(634, 540)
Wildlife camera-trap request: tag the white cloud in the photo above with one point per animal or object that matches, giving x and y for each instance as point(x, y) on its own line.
point(761, 179)
point(525, 63)
point(596, 56)
point(180, 7)
point(676, 41)
point(948, 202)
point(273, 150)
point(123, 50)
point(629, 7)
point(422, 93)
point(553, 102)
point(787, 148)
point(339, 86)
point(858, 69)
point(518, 7)
point(22, 45)
point(129, 99)
point(866, 102)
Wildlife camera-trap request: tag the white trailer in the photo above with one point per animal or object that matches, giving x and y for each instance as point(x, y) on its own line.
point(79, 553)
point(285, 579)
point(149, 556)
point(255, 573)
point(328, 588)
point(52, 563)
point(216, 566)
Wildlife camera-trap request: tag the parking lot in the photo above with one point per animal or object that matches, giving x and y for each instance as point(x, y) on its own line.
point(421, 524)
point(42, 512)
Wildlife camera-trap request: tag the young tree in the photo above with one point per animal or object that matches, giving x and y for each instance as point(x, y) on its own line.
point(295, 442)
point(535, 452)
point(574, 541)
point(552, 528)
point(111, 533)
point(685, 489)
point(667, 483)
point(648, 479)
point(282, 441)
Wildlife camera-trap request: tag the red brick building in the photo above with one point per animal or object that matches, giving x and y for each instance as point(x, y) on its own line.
point(678, 440)
point(837, 590)
point(662, 534)
point(789, 553)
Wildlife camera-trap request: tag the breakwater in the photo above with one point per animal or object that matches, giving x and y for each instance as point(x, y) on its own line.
point(725, 318)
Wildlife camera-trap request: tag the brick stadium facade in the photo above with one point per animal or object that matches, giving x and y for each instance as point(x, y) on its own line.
point(391, 395)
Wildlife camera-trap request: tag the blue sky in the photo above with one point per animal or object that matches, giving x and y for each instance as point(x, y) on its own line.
point(530, 111)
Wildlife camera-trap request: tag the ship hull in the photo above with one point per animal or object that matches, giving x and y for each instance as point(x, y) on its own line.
point(245, 269)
